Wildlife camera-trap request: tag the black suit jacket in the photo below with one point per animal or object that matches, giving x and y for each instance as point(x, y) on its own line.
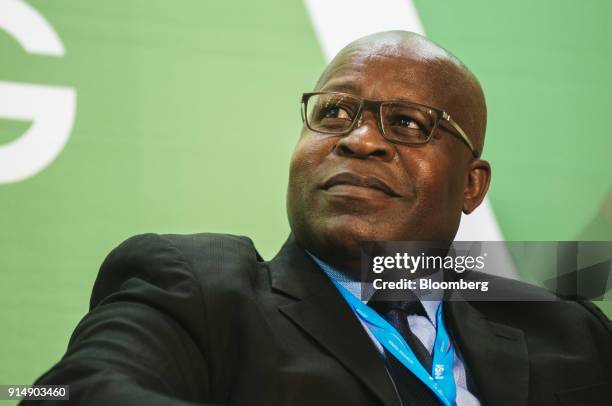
point(180, 319)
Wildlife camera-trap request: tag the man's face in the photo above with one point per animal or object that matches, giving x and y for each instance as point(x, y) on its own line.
point(359, 187)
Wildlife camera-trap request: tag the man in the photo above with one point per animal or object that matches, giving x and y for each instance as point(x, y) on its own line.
point(390, 150)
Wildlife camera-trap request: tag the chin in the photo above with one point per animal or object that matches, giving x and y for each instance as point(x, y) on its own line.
point(343, 235)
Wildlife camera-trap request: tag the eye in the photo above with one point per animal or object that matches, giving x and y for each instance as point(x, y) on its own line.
point(335, 111)
point(405, 122)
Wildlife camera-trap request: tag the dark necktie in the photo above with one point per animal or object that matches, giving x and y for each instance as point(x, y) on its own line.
point(396, 313)
point(410, 388)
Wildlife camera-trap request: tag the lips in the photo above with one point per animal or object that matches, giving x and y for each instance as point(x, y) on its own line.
point(353, 179)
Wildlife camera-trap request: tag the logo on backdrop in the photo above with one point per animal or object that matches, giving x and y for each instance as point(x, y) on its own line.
point(50, 109)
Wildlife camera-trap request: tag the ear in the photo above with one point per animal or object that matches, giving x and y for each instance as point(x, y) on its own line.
point(479, 177)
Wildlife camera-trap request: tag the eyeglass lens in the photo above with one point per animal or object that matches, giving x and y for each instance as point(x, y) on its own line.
point(335, 113)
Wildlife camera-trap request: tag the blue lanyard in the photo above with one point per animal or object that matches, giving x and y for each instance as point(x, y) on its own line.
point(441, 380)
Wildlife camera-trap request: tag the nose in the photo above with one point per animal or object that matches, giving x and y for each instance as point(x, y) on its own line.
point(365, 141)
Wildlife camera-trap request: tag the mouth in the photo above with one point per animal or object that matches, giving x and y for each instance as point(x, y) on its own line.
point(352, 183)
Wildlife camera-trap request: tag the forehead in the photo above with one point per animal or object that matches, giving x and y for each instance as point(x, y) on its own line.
point(383, 75)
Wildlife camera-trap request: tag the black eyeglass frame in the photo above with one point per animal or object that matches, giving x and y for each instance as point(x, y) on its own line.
point(376, 105)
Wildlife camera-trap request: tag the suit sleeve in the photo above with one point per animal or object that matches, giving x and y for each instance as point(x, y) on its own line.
point(143, 340)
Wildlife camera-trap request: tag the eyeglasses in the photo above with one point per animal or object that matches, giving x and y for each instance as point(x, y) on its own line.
point(400, 122)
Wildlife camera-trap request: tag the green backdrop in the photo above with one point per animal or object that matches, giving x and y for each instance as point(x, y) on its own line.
point(187, 113)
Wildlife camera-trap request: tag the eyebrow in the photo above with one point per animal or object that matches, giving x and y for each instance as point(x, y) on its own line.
point(355, 90)
point(345, 87)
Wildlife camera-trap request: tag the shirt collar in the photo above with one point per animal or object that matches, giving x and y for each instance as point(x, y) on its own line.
point(354, 287)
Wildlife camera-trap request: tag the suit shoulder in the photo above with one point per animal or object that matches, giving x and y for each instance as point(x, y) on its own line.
point(164, 258)
point(136, 253)
point(220, 262)
point(597, 315)
point(212, 243)
point(144, 260)
point(219, 251)
point(523, 302)
point(146, 246)
point(227, 268)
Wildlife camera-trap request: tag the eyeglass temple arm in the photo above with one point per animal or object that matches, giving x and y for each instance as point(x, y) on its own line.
point(303, 107)
point(462, 133)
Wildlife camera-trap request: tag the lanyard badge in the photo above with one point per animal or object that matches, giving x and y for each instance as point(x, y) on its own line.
point(440, 379)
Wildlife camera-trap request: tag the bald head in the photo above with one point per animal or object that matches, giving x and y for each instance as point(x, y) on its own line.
point(444, 73)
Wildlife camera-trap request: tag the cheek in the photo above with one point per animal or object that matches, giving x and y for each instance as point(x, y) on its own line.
point(302, 158)
point(308, 155)
point(306, 158)
point(438, 187)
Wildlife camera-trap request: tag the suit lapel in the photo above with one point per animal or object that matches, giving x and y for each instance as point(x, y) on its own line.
point(494, 355)
point(322, 312)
